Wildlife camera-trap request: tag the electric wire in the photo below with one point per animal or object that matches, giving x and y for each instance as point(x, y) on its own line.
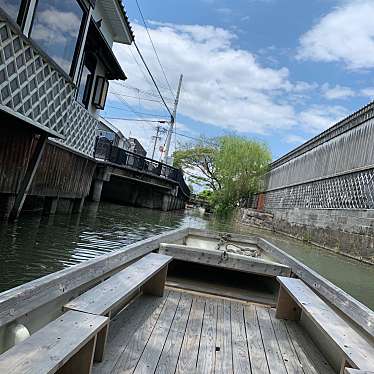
point(136, 112)
point(140, 69)
point(157, 121)
point(153, 79)
point(136, 120)
point(154, 48)
point(139, 98)
point(137, 89)
point(130, 107)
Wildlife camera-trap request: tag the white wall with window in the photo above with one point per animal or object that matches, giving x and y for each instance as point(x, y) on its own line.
point(78, 39)
point(58, 28)
point(64, 62)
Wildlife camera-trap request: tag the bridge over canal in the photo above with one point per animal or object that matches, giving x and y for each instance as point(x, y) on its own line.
point(128, 178)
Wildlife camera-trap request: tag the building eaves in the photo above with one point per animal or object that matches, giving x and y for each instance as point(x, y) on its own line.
point(126, 19)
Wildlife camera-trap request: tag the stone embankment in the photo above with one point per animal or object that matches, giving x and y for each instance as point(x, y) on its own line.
point(347, 232)
point(253, 217)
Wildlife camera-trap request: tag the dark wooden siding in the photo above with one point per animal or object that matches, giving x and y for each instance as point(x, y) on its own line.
point(15, 151)
point(61, 172)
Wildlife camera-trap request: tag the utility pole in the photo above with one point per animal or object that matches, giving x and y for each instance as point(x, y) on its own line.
point(156, 138)
point(172, 122)
point(159, 131)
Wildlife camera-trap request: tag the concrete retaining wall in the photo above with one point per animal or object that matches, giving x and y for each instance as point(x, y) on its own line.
point(350, 232)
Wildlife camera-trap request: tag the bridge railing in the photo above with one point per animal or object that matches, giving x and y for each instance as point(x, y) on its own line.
point(106, 151)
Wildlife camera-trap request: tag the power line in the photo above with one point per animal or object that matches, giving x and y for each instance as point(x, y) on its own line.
point(137, 120)
point(151, 121)
point(125, 85)
point(154, 48)
point(135, 112)
point(131, 108)
point(153, 79)
point(139, 98)
point(137, 89)
point(140, 68)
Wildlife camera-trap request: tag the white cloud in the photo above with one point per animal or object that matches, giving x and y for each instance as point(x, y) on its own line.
point(318, 118)
point(223, 86)
point(368, 92)
point(346, 34)
point(337, 92)
point(294, 139)
point(224, 11)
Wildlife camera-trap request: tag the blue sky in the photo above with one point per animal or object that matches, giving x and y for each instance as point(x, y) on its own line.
point(280, 71)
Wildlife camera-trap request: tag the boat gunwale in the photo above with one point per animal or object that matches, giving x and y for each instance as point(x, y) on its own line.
point(356, 311)
point(23, 299)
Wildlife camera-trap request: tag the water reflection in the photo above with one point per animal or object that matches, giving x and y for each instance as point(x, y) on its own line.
point(35, 246)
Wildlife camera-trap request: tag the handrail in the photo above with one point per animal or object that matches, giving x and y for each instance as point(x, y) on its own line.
point(106, 151)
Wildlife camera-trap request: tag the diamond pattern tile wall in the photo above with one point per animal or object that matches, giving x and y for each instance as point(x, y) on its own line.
point(80, 129)
point(30, 85)
point(350, 191)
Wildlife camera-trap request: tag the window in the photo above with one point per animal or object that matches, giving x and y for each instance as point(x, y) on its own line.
point(107, 134)
point(100, 93)
point(86, 79)
point(11, 7)
point(57, 28)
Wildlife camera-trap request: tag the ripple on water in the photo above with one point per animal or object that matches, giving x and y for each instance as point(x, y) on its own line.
point(36, 246)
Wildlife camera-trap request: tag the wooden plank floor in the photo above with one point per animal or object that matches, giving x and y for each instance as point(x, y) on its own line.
point(188, 333)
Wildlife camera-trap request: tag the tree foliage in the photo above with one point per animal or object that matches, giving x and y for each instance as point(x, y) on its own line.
point(241, 164)
point(230, 167)
point(197, 162)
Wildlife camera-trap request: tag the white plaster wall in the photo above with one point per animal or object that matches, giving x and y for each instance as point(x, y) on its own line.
point(91, 108)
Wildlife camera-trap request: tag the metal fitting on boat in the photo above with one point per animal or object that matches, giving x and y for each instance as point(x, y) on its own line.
point(16, 333)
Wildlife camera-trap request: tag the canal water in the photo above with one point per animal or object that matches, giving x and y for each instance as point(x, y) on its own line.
point(35, 246)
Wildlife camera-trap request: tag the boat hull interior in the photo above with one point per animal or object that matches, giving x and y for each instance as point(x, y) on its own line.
point(212, 310)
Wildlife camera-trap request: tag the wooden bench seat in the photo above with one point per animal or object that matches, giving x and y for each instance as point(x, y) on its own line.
point(148, 273)
point(66, 345)
point(296, 297)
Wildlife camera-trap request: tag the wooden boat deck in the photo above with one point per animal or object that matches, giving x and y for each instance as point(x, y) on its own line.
point(191, 333)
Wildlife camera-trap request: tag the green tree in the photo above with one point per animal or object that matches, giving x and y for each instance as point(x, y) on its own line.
point(241, 164)
point(206, 195)
point(230, 167)
point(197, 162)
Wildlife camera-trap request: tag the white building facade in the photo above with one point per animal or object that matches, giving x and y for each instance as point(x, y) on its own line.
point(56, 62)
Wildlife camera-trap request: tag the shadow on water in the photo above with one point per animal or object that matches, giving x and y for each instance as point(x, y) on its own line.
point(35, 246)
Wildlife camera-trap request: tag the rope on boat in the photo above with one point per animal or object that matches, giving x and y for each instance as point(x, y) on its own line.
point(224, 241)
